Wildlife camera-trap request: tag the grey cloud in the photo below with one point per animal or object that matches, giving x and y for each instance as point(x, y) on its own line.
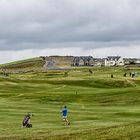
point(68, 23)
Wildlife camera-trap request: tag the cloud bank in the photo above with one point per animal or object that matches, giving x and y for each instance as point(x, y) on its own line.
point(89, 25)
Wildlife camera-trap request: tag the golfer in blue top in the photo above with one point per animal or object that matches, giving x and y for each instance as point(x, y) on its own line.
point(64, 115)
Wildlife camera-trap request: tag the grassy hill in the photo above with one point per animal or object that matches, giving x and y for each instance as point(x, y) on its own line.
point(36, 64)
point(24, 65)
point(100, 107)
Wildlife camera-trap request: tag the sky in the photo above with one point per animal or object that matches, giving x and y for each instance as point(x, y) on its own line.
point(101, 28)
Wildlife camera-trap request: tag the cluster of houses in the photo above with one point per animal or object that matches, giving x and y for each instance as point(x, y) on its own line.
point(78, 61)
point(109, 61)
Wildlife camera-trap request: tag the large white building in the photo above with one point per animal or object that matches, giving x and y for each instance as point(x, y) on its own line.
point(114, 61)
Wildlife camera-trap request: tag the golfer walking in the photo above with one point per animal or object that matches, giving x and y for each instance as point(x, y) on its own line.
point(64, 115)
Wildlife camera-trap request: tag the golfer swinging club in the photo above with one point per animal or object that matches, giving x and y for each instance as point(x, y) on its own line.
point(64, 115)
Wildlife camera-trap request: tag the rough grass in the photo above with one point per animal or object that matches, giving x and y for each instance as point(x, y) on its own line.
point(28, 64)
point(100, 107)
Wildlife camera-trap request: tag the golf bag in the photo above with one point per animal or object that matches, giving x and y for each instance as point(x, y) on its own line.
point(29, 125)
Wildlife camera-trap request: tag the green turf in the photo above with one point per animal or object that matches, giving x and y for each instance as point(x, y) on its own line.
point(100, 107)
point(22, 66)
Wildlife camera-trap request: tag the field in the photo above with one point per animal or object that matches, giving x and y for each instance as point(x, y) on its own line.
point(100, 107)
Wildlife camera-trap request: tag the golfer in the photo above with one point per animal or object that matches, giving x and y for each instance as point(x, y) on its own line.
point(64, 115)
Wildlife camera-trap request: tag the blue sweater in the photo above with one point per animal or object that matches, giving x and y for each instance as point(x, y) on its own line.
point(64, 111)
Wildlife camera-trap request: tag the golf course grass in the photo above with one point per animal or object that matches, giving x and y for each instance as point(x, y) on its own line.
point(100, 107)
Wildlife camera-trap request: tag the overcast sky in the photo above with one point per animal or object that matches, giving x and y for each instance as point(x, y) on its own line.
point(30, 28)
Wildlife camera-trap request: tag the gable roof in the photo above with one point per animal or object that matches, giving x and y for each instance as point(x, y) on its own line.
point(109, 58)
point(86, 58)
point(77, 59)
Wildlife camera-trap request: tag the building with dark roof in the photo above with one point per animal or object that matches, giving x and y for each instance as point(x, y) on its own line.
point(114, 61)
point(83, 61)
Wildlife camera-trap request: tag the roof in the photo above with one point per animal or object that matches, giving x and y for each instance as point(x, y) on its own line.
point(77, 59)
point(113, 58)
point(84, 58)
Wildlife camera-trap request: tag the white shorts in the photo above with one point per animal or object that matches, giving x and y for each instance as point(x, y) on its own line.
point(64, 117)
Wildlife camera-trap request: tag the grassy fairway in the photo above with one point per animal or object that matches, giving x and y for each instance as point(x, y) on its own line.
point(104, 108)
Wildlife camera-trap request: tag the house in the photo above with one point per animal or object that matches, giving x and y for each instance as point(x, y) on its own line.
point(83, 61)
point(137, 62)
point(99, 62)
point(77, 61)
point(114, 61)
point(132, 61)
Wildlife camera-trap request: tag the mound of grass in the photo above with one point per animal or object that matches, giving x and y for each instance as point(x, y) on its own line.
point(24, 64)
point(100, 83)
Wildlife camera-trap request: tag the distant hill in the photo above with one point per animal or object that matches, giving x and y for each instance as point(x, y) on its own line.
point(24, 65)
point(37, 64)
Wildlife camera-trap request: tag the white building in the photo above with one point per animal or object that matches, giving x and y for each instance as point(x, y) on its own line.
point(114, 61)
